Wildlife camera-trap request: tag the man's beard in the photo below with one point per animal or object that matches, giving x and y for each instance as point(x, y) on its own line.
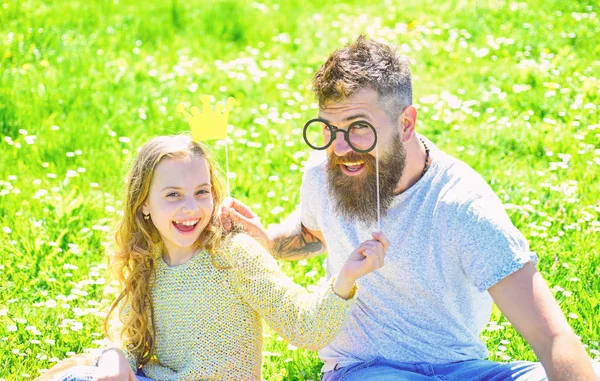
point(356, 196)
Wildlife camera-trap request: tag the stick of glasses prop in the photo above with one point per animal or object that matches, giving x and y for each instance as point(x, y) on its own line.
point(361, 137)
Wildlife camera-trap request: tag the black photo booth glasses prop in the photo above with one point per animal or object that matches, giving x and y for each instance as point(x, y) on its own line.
point(361, 136)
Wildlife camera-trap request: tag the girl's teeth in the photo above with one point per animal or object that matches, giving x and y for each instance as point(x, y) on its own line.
point(188, 223)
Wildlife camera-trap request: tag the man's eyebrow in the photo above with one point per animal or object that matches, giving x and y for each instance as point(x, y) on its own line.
point(351, 117)
point(356, 116)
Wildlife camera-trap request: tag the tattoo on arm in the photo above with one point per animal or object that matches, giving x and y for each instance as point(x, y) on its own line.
point(292, 241)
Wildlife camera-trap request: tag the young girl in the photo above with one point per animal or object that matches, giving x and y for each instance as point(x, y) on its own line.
point(192, 298)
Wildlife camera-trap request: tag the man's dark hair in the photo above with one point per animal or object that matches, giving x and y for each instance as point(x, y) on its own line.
point(365, 64)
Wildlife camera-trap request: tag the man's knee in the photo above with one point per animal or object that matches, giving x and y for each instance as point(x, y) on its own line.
point(538, 372)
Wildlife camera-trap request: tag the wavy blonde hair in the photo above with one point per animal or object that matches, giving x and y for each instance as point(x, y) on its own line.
point(138, 243)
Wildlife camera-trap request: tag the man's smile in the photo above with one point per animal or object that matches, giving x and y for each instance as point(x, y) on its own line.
point(353, 168)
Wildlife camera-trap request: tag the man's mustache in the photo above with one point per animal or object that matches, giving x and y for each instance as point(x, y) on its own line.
point(350, 157)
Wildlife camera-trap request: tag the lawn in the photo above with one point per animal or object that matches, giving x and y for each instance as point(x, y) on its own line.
point(511, 88)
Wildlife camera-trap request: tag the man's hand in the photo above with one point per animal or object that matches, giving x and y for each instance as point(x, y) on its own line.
point(113, 366)
point(234, 211)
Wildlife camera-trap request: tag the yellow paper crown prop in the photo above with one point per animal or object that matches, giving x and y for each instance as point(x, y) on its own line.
point(208, 124)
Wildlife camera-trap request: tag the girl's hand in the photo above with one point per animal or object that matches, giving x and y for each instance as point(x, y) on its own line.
point(368, 257)
point(113, 366)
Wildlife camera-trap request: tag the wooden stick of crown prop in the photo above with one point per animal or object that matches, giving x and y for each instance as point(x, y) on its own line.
point(209, 124)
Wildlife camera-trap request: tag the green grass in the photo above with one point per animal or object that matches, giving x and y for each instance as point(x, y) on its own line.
point(510, 88)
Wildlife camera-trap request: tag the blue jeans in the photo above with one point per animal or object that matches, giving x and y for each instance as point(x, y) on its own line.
point(380, 369)
point(87, 373)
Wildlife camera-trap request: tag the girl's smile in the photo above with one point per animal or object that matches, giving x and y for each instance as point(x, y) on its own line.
point(187, 226)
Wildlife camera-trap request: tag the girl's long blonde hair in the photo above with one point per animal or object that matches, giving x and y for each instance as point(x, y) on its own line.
point(139, 244)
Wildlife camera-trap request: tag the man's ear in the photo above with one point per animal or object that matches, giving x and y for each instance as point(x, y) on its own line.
point(407, 122)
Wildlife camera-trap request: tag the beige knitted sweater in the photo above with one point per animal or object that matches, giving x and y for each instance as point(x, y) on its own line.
point(208, 321)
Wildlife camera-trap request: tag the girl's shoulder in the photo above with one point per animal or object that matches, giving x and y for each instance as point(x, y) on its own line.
point(245, 252)
point(240, 241)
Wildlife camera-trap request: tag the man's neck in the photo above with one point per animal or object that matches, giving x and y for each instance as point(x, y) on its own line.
point(415, 163)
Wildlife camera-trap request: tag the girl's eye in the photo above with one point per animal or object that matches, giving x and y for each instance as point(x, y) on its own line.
point(173, 194)
point(202, 191)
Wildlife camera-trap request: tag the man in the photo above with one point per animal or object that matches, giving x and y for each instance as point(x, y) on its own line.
point(453, 250)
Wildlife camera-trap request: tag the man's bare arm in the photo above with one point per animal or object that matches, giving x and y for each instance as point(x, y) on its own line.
point(525, 300)
point(289, 240)
point(293, 241)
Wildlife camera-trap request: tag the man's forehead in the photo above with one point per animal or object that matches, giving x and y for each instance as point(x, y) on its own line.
point(346, 113)
point(361, 105)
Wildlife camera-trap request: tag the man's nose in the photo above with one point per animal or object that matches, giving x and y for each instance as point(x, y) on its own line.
point(340, 145)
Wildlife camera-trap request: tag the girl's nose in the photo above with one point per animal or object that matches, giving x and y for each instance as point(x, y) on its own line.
point(190, 206)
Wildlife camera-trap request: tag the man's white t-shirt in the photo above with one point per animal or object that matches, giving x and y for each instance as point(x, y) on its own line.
point(450, 240)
